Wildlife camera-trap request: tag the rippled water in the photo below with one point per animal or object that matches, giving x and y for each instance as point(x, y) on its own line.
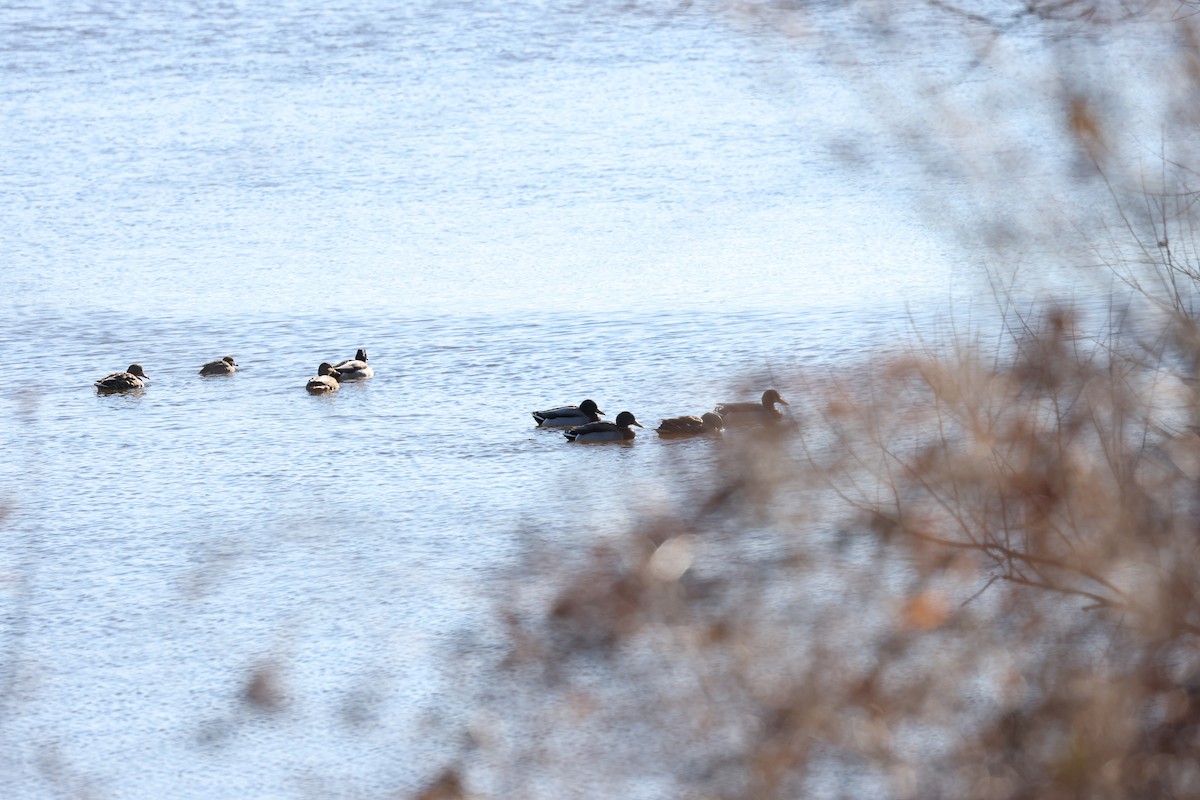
point(510, 207)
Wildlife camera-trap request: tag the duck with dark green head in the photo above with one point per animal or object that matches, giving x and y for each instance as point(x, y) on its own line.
point(619, 431)
point(356, 368)
point(569, 416)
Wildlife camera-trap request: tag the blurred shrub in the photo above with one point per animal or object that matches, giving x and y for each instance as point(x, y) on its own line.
point(963, 577)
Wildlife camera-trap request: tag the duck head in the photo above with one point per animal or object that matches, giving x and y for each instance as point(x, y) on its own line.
point(136, 369)
point(361, 355)
point(327, 369)
point(229, 360)
point(589, 407)
point(625, 419)
point(712, 421)
point(771, 397)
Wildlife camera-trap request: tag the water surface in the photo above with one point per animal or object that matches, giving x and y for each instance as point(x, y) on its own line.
point(511, 207)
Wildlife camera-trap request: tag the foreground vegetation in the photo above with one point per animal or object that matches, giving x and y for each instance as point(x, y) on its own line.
point(963, 577)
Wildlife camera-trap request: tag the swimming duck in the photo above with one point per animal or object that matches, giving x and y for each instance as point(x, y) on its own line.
point(753, 413)
point(325, 381)
point(618, 431)
point(226, 366)
point(355, 368)
point(710, 423)
point(132, 378)
point(568, 416)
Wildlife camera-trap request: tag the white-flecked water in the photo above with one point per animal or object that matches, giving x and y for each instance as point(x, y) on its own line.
point(510, 206)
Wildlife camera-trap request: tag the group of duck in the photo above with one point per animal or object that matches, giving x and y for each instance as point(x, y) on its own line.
point(582, 422)
point(328, 379)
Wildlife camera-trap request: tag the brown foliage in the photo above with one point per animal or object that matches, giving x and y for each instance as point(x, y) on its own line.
point(966, 576)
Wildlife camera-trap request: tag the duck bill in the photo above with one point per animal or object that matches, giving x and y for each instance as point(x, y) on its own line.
point(640, 425)
point(783, 402)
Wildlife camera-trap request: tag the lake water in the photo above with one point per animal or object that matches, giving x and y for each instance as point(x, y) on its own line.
point(511, 207)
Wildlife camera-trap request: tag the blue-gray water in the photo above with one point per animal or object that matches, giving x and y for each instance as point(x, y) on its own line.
point(511, 207)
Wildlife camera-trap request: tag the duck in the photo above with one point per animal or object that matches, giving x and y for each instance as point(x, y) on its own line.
point(709, 423)
point(226, 366)
point(355, 368)
point(132, 378)
point(569, 416)
point(753, 413)
point(325, 381)
point(618, 431)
